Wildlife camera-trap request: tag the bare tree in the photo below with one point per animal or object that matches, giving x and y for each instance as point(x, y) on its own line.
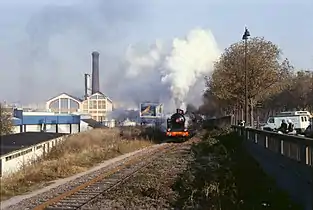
point(5, 121)
point(289, 90)
point(296, 93)
point(264, 73)
point(302, 89)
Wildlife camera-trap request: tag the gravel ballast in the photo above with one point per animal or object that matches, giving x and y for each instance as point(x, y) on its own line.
point(150, 188)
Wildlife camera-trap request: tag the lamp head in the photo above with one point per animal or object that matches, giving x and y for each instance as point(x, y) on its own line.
point(246, 34)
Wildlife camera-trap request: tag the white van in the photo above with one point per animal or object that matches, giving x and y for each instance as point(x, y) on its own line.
point(300, 119)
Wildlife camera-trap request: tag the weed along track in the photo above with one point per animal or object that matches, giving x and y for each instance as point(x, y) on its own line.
point(81, 195)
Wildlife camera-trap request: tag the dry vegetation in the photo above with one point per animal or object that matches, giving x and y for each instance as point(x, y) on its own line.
point(224, 176)
point(78, 153)
point(5, 122)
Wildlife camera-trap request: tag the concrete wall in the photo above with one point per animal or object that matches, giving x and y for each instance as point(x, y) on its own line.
point(288, 159)
point(38, 113)
point(32, 128)
point(110, 123)
point(109, 106)
point(84, 126)
point(16, 129)
point(14, 161)
point(66, 128)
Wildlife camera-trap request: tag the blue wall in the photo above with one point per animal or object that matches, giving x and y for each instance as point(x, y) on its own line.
point(16, 121)
point(48, 119)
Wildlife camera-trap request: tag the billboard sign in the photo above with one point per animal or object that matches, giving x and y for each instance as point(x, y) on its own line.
point(151, 110)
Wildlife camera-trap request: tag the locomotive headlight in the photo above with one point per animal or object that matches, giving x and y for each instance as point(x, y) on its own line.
point(185, 129)
point(169, 129)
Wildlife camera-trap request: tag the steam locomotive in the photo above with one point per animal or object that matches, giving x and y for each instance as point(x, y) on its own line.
point(176, 125)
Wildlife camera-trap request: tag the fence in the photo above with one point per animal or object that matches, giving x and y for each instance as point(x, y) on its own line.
point(15, 160)
point(287, 158)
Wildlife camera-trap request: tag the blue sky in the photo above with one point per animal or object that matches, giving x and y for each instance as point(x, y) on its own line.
point(66, 31)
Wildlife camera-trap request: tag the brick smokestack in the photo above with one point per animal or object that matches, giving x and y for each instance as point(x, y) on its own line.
point(95, 87)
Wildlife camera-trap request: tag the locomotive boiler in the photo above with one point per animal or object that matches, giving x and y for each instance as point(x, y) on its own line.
point(177, 125)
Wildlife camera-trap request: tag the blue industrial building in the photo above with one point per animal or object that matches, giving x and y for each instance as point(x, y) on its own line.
point(41, 122)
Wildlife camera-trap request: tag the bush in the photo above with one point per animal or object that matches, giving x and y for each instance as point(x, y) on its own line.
point(224, 176)
point(208, 182)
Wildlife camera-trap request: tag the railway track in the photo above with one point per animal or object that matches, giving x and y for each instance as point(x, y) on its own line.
point(81, 195)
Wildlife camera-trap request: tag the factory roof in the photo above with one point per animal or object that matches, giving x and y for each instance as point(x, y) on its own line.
point(16, 121)
point(13, 142)
point(70, 96)
point(98, 92)
point(93, 123)
point(76, 98)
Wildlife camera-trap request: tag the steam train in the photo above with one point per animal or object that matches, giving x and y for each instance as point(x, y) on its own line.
point(177, 125)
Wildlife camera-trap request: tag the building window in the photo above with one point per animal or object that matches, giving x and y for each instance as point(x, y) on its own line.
point(271, 120)
point(101, 104)
point(74, 104)
point(93, 97)
point(101, 97)
point(64, 103)
point(54, 105)
point(18, 154)
point(94, 105)
point(85, 105)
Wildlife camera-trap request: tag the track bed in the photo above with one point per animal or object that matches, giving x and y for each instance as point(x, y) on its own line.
point(138, 182)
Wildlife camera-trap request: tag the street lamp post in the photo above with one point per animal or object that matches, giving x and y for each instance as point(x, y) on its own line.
point(0, 122)
point(245, 38)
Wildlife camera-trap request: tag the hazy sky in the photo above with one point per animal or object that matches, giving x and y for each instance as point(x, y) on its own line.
point(45, 45)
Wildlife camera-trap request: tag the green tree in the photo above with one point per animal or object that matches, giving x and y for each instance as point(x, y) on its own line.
point(5, 121)
point(264, 73)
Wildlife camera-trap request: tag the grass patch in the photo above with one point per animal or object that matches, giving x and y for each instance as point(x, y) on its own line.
point(76, 154)
point(224, 176)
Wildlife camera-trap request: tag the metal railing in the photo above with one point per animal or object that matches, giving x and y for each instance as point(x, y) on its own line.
point(294, 147)
point(287, 158)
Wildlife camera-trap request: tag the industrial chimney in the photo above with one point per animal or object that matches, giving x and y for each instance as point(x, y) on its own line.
point(87, 86)
point(95, 73)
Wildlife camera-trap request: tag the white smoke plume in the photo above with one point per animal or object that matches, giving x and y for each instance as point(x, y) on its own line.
point(172, 75)
point(189, 61)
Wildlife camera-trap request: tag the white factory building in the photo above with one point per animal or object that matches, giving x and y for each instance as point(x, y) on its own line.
point(96, 105)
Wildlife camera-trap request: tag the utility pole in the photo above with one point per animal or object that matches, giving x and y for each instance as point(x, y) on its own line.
point(0, 122)
point(245, 38)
